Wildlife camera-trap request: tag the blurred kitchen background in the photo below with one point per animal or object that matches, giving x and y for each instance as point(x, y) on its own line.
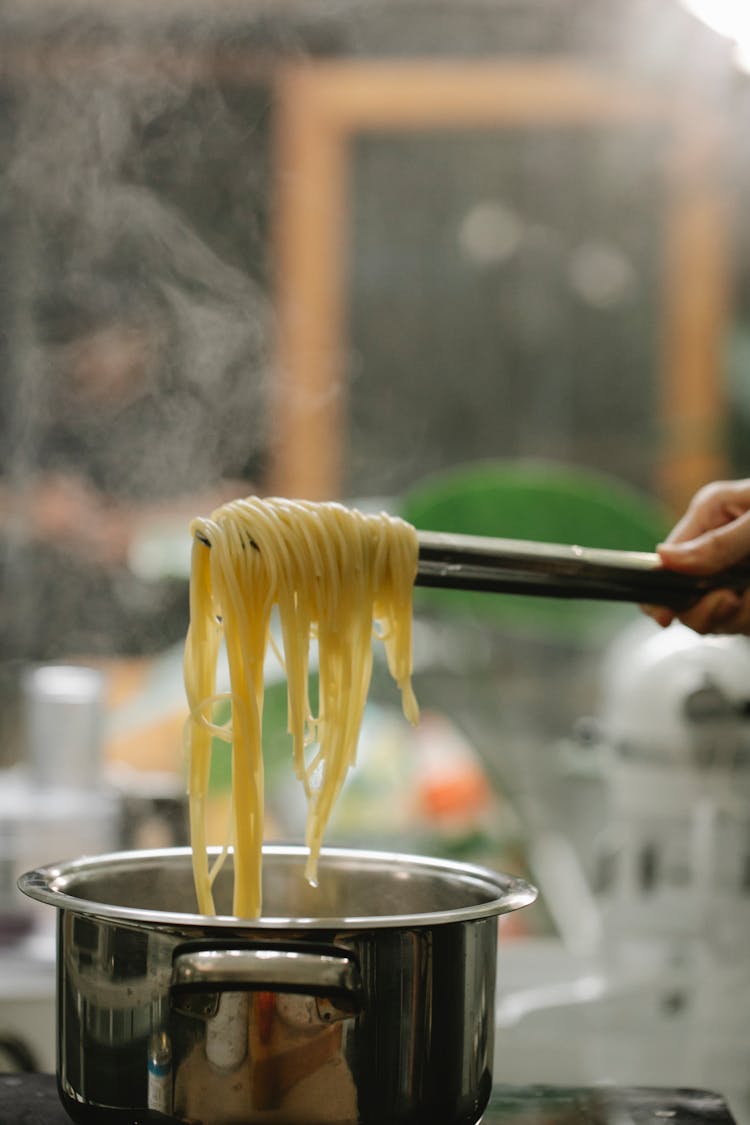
point(481, 262)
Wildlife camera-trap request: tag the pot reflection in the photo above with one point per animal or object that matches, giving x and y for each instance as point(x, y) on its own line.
point(264, 1051)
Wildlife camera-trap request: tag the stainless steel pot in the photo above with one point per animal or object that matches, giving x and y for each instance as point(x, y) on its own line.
point(369, 999)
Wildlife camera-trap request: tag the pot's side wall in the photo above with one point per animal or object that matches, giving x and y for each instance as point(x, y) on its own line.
point(426, 1041)
point(416, 1047)
point(113, 993)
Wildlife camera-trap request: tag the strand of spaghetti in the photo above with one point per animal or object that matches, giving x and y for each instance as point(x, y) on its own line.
point(397, 611)
point(242, 636)
point(301, 725)
point(339, 739)
point(224, 853)
point(316, 573)
point(338, 757)
point(340, 730)
point(198, 716)
point(272, 540)
point(201, 650)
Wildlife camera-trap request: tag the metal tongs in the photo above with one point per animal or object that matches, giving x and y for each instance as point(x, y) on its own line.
point(519, 566)
point(554, 570)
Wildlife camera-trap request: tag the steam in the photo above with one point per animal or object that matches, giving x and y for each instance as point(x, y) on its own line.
point(134, 301)
point(68, 181)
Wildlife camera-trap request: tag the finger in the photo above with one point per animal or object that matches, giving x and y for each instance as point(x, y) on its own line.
point(712, 551)
point(739, 620)
point(659, 613)
point(712, 506)
point(722, 611)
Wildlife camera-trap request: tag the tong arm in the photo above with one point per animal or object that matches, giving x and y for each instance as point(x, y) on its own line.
point(473, 562)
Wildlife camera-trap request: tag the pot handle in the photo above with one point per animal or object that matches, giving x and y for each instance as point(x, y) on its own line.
point(267, 968)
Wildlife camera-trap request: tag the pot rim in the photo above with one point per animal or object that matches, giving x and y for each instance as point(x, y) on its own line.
point(504, 893)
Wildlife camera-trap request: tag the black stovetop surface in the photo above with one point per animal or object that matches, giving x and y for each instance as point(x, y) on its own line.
point(605, 1105)
point(31, 1099)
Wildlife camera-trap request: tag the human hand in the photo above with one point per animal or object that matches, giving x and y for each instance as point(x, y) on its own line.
point(713, 534)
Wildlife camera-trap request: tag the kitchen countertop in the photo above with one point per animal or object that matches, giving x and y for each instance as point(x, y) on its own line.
point(31, 1099)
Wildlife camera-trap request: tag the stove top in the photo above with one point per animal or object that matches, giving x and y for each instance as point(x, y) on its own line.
point(31, 1099)
point(604, 1105)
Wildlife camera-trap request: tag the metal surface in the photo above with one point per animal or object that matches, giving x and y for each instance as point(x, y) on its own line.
point(377, 1003)
point(364, 889)
point(294, 970)
point(556, 570)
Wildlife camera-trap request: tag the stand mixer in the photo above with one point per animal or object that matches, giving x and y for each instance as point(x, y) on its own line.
point(662, 873)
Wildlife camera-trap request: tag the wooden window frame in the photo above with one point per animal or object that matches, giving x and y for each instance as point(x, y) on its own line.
point(321, 107)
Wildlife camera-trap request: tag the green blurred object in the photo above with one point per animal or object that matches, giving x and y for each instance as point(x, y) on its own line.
point(540, 501)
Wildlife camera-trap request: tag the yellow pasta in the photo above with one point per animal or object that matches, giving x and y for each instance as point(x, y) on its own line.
point(333, 572)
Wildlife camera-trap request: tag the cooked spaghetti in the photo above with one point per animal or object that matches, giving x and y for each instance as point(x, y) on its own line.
point(335, 575)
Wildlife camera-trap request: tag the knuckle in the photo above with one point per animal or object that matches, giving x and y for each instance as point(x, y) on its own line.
point(711, 494)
